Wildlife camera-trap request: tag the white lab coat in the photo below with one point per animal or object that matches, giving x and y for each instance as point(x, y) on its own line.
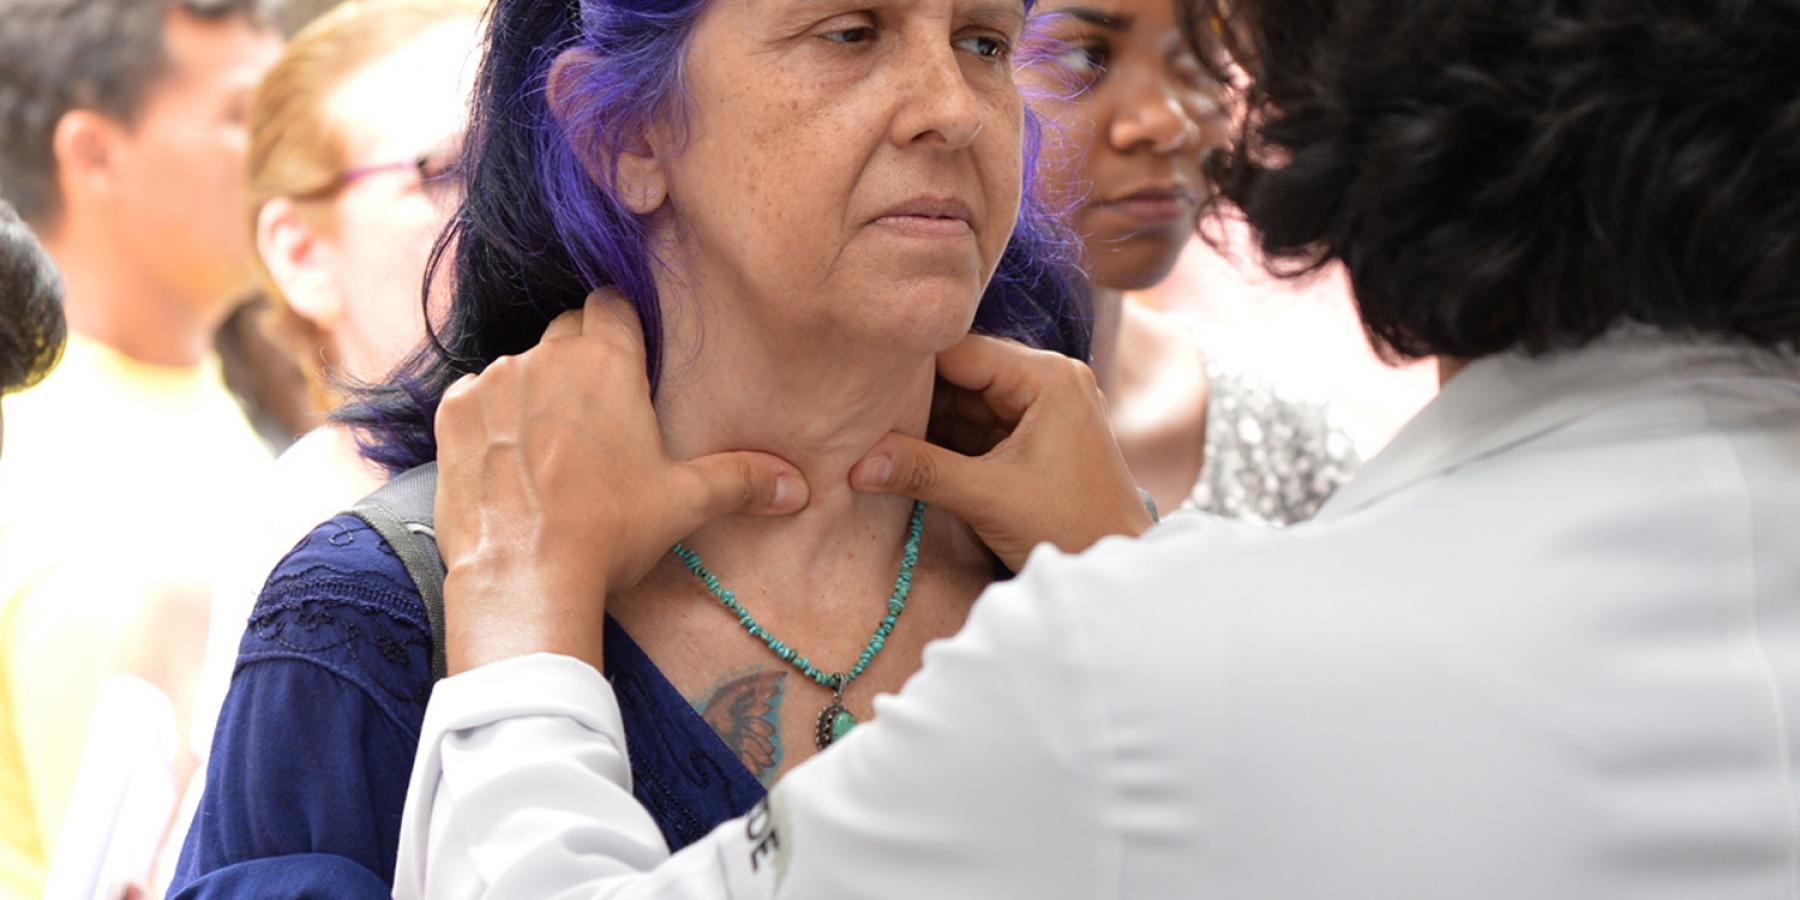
point(1546, 645)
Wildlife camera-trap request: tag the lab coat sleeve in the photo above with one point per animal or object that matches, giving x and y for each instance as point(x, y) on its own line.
point(982, 778)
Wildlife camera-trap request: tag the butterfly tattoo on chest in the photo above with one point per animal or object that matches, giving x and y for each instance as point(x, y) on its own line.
point(744, 710)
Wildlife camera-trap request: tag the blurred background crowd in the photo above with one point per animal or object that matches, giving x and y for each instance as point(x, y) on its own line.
point(236, 203)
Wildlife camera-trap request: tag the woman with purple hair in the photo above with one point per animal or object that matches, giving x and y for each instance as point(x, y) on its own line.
point(804, 203)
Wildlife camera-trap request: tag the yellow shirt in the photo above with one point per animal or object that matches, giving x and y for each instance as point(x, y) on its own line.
point(113, 478)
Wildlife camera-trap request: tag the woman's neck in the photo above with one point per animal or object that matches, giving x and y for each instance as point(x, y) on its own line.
point(1109, 311)
point(820, 408)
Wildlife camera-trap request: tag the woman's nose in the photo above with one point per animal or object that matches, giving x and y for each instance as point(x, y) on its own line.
point(940, 107)
point(1153, 115)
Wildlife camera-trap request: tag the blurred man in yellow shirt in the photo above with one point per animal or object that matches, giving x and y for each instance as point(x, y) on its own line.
point(124, 124)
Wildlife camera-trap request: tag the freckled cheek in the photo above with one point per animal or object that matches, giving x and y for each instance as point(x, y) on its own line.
point(789, 184)
point(770, 168)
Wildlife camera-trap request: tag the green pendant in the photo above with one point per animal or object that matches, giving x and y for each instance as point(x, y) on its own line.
point(841, 725)
point(834, 722)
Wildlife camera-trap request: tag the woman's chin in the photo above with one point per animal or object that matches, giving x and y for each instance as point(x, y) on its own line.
point(921, 317)
point(1138, 261)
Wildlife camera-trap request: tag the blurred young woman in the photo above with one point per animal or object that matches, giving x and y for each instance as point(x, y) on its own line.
point(353, 141)
point(1134, 115)
point(353, 138)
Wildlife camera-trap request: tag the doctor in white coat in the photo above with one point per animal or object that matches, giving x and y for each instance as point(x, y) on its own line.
point(1545, 645)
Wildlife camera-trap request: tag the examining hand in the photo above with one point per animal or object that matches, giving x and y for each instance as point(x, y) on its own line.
point(554, 490)
point(1020, 449)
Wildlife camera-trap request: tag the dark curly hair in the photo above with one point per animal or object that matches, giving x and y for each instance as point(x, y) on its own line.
point(31, 316)
point(1524, 174)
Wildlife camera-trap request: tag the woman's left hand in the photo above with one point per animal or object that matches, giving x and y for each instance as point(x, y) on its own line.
point(554, 489)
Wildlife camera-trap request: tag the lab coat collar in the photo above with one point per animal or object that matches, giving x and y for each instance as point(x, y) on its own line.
point(1500, 401)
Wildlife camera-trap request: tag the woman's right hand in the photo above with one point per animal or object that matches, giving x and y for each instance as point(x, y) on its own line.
point(1020, 450)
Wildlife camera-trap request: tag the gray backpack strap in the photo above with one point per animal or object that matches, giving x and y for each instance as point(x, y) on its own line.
point(403, 512)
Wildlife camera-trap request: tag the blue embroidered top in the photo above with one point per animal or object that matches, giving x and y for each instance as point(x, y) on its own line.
point(315, 743)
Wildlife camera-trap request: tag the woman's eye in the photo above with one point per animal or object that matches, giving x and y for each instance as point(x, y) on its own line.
point(434, 168)
point(1088, 58)
point(985, 46)
point(1084, 64)
point(859, 34)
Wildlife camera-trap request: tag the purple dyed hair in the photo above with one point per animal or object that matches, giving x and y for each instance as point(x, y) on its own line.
point(535, 233)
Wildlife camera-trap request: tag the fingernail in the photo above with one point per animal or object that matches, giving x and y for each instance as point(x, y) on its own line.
point(874, 472)
point(785, 494)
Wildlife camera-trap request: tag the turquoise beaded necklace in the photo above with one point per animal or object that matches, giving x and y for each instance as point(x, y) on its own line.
point(834, 720)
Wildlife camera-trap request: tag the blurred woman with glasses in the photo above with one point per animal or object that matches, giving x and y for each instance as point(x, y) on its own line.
point(354, 136)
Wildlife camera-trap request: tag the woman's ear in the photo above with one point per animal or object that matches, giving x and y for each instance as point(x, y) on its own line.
point(299, 261)
point(637, 176)
point(641, 185)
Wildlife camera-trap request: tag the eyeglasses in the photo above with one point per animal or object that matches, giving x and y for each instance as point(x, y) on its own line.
point(436, 173)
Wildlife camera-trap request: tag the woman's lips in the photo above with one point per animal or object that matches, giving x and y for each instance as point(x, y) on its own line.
point(928, 217)
point(925, 226)
point(1155, 206)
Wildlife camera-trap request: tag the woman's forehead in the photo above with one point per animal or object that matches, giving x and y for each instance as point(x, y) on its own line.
point(998, 9)
point(1113, 15)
